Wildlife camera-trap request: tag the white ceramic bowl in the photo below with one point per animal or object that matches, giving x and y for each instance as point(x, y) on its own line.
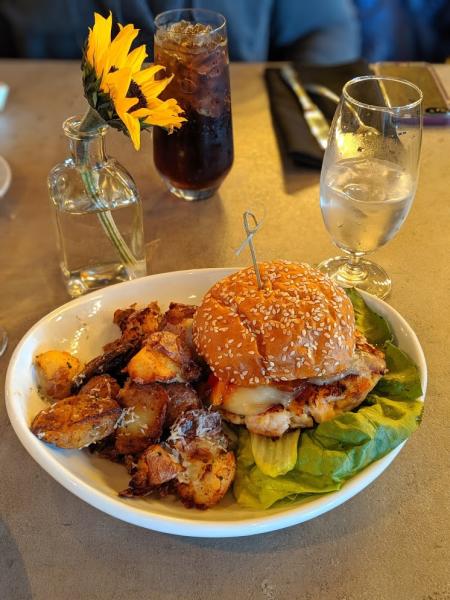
point(81, 327)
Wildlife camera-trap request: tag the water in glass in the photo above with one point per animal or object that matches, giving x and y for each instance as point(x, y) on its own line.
point(364, 202)
point(88, 259)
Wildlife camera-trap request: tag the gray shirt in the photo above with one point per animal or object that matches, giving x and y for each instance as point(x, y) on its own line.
point(315, 31)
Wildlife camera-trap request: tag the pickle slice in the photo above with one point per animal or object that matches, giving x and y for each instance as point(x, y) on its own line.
point(275, 457)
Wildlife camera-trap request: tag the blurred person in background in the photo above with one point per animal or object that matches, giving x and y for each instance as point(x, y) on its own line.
point(311, 31)
point(405, 30)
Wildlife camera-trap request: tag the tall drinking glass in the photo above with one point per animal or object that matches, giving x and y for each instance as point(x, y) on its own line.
point(192, 45)
point(369, 175)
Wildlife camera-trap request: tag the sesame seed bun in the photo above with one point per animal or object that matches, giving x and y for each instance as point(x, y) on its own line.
point(300, 325)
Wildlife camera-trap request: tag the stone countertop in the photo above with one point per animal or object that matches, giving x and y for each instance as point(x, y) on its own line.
point(388, 542)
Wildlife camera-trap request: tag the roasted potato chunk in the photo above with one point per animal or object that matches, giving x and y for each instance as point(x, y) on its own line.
point(133, 321)
point(209, 468)
point(149, 365)
point(182, 397)
point(55, 370)
point(178, 319)
point(177, 313)
point(77, 421)
point(143, 419)
point(156, 466)
point(165, 358)
point(208, 479)
point(194, 462)
point(135, 325)
point(115, 357)
point(101, 386)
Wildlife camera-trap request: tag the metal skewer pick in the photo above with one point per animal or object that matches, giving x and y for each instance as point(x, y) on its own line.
point(250, 231)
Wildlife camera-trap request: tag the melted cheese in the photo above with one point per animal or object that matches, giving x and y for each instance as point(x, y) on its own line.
point(250, 401)
point(328, 380)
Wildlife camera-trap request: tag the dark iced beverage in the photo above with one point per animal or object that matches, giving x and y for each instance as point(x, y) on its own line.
point(192, 45)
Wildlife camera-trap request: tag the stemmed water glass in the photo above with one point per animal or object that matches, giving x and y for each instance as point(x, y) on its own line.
point(369, 175)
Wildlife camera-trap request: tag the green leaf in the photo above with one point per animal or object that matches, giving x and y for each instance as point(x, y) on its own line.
point(375, 328)
point(402, 381)
point(328, 455)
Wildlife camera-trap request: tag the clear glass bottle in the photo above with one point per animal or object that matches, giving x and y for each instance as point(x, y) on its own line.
point(98, 214)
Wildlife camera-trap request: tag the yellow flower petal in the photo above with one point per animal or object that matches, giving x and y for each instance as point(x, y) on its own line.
point(136, 58)
point(164, 114)
point(153, 88)
point(147, 74)
point(149, 87)
point(134, 129)
point(90, 48)
point(123, 105)
point(99, 40)
point(120, 47)
point(120, 80)
point(155, 103)
point(116, 85)
point(140, 113)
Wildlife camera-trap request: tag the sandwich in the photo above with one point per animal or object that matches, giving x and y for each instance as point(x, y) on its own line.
point(285, 356)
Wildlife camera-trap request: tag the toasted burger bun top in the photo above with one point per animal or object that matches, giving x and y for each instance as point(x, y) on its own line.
point(299, 325)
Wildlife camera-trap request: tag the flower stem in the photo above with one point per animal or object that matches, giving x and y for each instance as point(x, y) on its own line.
point(91, 122)
point(107, 221)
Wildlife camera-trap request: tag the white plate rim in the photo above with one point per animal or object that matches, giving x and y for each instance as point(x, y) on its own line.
point(291, 515)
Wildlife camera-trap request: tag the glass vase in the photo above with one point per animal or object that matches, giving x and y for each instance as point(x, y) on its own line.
point(98, 214)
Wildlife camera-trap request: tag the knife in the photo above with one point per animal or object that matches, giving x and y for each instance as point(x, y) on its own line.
point(321, 90)
point(314, 117)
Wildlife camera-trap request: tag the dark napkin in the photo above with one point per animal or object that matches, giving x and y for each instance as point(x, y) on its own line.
point(294, 134)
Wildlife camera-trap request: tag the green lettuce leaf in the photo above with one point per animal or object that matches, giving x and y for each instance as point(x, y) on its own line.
point(329, 454)
point(336, 450)
point(376, 329)
point(402, 381)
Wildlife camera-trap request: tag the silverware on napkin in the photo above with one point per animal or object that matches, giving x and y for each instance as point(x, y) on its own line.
point(314, 117)
point(321, 90)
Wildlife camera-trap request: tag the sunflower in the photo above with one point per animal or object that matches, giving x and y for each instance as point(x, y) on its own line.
point(123, 93)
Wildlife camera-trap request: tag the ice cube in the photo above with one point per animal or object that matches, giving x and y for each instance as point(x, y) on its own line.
point(188, 35)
